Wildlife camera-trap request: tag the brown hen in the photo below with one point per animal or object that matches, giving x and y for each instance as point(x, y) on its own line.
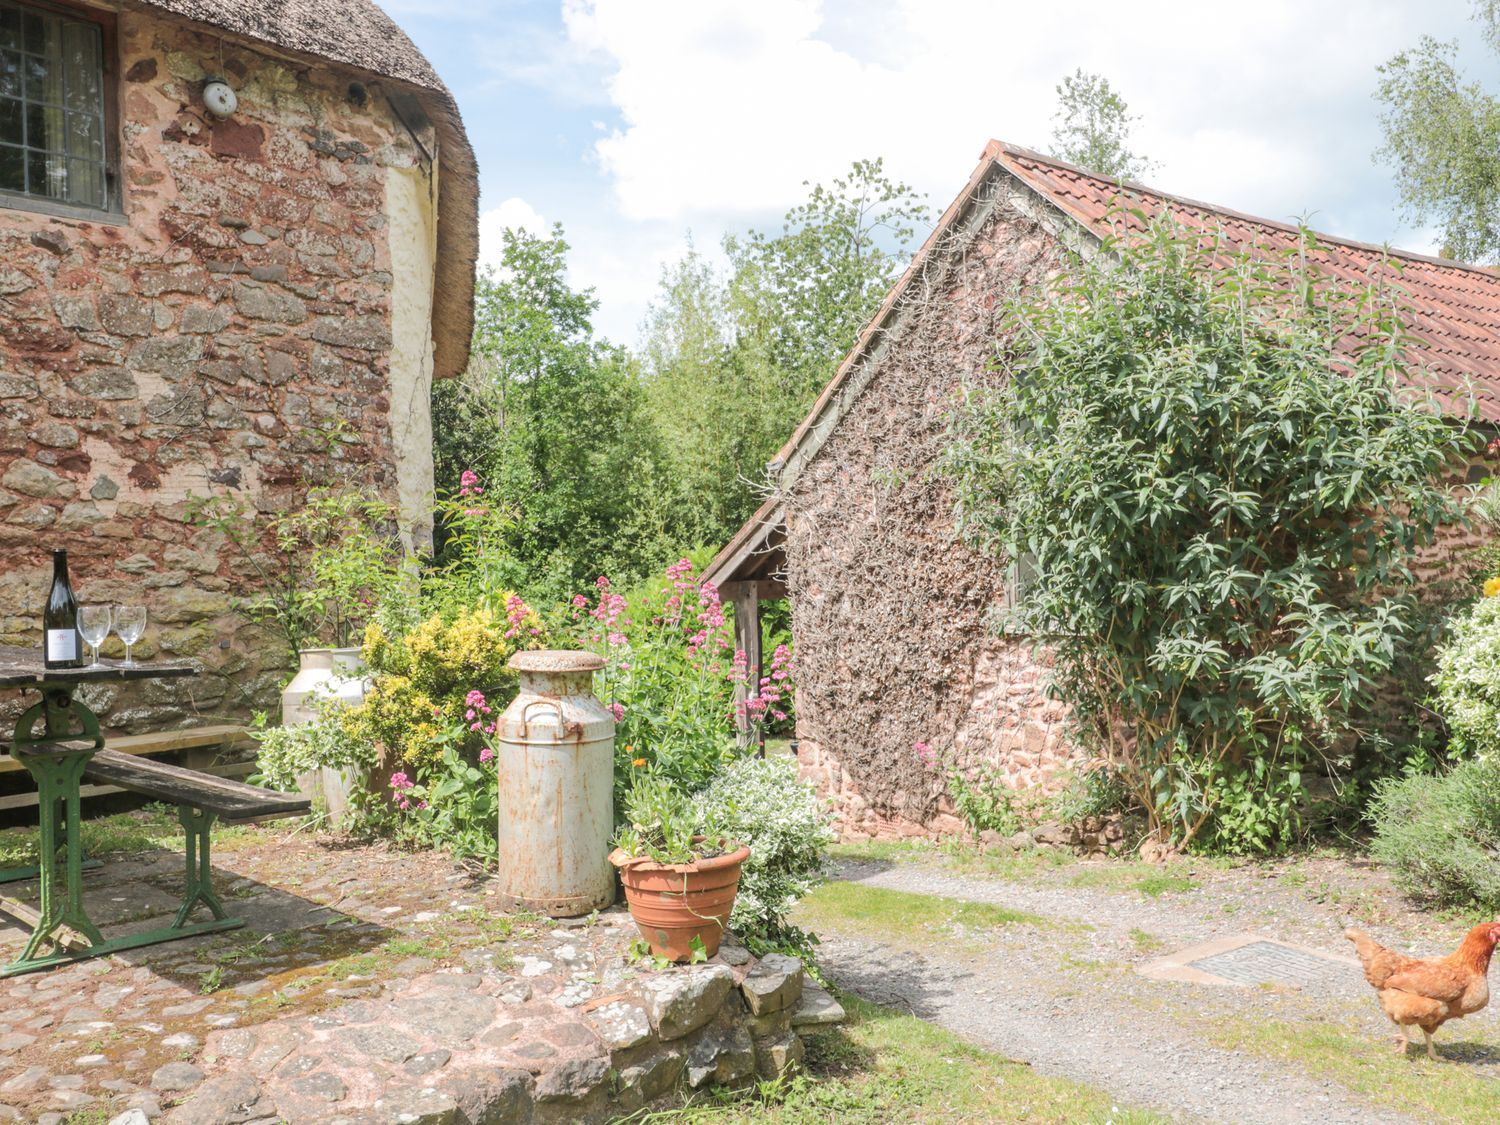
point(1428, 992)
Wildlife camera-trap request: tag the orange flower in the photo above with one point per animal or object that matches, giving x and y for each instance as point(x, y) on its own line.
point(638, 762)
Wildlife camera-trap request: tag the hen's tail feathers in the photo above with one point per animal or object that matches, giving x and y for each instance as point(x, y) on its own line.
point(1376, 958)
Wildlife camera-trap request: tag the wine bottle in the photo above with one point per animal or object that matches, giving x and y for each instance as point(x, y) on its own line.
point(64, 646)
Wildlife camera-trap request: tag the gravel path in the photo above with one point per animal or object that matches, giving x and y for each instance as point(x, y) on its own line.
point(1065, 998)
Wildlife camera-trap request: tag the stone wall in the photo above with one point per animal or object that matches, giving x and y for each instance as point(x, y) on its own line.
point(231, 335)
point(893, 618)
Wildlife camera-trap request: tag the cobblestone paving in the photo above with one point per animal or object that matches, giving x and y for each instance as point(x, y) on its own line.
point(368, 986)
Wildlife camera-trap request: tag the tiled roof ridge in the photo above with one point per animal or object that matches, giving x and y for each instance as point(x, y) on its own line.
point(1000, 150)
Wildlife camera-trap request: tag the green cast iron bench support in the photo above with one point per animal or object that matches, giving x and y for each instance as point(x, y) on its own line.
point(201, 799)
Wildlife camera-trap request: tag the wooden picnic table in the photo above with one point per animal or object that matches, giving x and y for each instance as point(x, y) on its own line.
point(57, 740)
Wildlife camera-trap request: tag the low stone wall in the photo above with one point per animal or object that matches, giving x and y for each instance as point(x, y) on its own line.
point(573, 1032)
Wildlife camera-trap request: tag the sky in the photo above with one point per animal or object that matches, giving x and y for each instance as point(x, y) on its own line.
point(641, 124)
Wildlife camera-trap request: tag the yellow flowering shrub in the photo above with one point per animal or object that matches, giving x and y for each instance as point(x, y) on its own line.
point(442, 683)
point(1492, 586)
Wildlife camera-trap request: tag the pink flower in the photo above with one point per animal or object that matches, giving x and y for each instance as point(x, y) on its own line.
point(617, 710)
point(580, 601)
point(475, 699)
point(486, 756)
point(400, 781)
point(468, 485)
point(925, 754)
point(616, 638)
point(602, 582)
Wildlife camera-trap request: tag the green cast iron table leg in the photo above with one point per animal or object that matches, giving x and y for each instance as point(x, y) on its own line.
point(58, 769)
point(56, 757)
point(199, 888)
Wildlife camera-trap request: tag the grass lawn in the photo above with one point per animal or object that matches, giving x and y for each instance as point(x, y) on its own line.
point(1461, 1087)
point(903, 916)
point(1120, 875)
point(883, 1066)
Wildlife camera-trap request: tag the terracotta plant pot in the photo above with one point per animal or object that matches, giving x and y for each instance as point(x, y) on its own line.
point(673, 903)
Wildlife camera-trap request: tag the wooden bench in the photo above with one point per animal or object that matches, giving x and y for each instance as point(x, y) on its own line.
point(201, 798)
point(219, 736)
point(226, 799)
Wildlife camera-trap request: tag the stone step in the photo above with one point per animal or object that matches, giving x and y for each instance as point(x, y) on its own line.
point(817, 1008)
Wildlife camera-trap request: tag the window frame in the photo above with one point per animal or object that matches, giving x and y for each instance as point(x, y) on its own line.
point(113, 211)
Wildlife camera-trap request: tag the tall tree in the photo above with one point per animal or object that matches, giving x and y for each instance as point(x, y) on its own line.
point(804, 294)
point(552, 419)
point(1442, 139)
point(1091, 128)
point(733, 363)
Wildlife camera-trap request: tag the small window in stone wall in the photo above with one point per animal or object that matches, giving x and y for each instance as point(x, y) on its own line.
point(53, 144)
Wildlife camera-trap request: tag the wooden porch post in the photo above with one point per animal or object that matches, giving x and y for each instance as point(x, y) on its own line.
point(747, 638)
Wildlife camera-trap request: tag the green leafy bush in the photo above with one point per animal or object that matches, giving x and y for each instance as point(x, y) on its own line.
point(287, 752)
point(762, 803)
point(670, 677)
point(1213, 464)
point(442, 683)
point(451, 804)
point(1467, 681)
point(1441, 835)
point(1095, 792)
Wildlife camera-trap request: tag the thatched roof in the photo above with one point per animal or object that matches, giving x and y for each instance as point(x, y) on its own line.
point(358, 35)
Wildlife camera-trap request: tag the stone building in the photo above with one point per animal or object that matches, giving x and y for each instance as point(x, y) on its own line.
point(892, 616)
point(206, 295)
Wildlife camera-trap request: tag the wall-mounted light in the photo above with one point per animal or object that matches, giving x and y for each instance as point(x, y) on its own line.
point(219, 98)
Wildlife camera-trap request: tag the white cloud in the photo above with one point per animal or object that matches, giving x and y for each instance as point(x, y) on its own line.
point(512, 214)
point(727, 108)
point(722, 110)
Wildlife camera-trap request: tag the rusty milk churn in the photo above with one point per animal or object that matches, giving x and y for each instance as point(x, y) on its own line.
point(556, 788)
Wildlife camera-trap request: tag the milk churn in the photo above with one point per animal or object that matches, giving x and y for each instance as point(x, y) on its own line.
point(327, 675)
point(556, 788)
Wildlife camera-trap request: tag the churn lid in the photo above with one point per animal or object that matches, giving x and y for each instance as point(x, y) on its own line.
point(556, 660)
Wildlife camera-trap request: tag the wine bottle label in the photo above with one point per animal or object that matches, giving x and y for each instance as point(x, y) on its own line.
point(62, 644)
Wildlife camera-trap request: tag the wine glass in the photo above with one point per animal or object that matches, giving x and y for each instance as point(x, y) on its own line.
point(130, 623)
point(93, 626)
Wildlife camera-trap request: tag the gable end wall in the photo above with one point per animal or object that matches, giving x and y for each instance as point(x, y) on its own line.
point(891, 614)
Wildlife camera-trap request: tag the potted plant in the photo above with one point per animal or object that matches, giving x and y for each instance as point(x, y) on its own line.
point(680, 882)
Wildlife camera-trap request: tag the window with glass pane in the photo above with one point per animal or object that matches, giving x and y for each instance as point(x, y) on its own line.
point(51, 107)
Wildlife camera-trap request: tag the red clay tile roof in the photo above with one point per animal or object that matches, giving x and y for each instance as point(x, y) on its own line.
point(1455, 307)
